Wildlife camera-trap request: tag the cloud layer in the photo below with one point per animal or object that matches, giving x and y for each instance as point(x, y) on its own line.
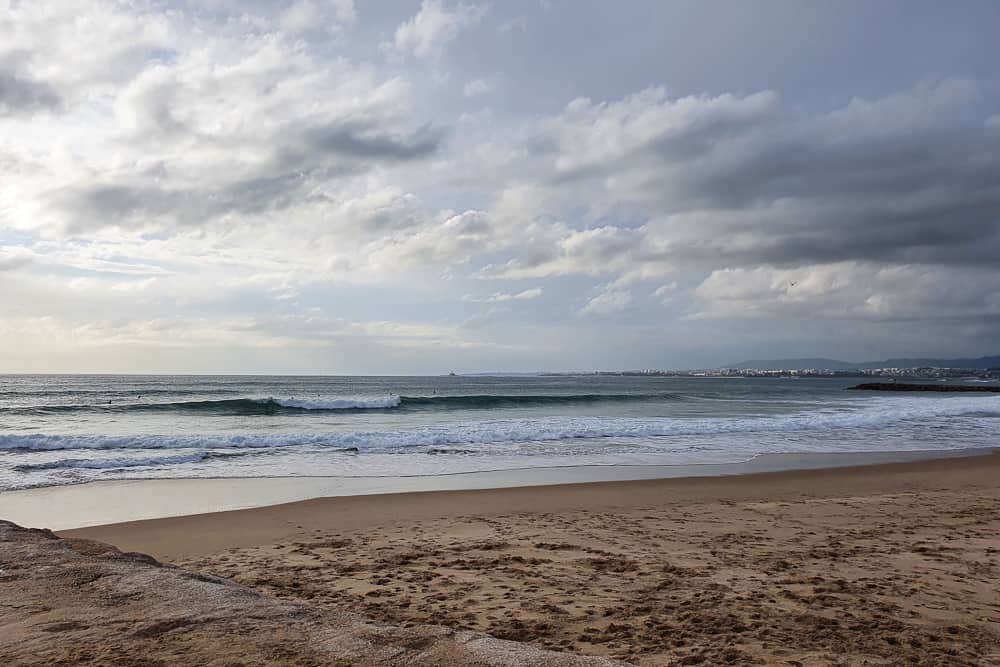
point(340, 187)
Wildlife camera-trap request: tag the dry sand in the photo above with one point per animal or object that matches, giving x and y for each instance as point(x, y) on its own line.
point(77, 602)
point(882, 565)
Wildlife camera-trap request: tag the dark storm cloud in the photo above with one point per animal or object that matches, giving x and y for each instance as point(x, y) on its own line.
point(92, 207)
point(727, 181)
point(358, 141)
point(958, 232)
point(302, 159)
point(930, 206)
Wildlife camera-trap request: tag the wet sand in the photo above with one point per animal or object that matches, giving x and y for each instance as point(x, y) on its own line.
point(895, 564)
point(97, 503)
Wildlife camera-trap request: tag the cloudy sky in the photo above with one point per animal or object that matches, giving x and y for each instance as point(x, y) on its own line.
point(328, 186)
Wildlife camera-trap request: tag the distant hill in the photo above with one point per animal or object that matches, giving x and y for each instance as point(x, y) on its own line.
point(837, 365)
point(981, 362)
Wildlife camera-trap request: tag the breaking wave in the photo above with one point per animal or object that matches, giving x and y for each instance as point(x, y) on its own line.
point(108, 464)
point(885, 411)
point(255, 406)
point(135, 462)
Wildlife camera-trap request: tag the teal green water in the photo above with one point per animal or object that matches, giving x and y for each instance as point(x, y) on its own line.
point(71, 429)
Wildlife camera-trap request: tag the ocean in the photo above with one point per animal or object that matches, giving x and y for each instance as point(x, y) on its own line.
point(58, 430)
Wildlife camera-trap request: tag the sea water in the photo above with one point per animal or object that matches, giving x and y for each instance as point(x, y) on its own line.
point(57, 430)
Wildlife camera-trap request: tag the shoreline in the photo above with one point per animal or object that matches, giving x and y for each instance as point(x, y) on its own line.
point(893, 563)
point(170, 537)
point(92, 504)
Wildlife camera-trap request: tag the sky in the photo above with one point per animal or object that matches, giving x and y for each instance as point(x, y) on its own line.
point(418, 187)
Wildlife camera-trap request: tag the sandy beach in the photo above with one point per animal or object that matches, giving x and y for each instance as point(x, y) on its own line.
point(883, 565)
point(446, 333)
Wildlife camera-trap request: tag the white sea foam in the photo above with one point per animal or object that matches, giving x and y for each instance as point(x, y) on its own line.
point(107, 464)
point(338, 403)
point(873, 414)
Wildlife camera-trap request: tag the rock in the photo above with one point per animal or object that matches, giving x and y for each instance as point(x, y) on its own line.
point(81, 602)
point(903, 386)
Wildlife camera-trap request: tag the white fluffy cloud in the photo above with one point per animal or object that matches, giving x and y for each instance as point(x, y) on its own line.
point(476, 87)
point(665, 292)
point(14, 257)
point(609, 301)
point(170, 169)
point(500, 297)
point(430, 30)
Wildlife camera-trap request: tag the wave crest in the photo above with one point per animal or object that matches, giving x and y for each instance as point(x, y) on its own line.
point(884, 412)
point(265, 406)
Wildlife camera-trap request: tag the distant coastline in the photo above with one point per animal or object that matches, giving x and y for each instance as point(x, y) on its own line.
point(985, 368)
point(978, 363)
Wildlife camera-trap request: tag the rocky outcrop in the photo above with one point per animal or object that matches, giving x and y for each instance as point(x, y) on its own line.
point(72, 602)
point(903, 386)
